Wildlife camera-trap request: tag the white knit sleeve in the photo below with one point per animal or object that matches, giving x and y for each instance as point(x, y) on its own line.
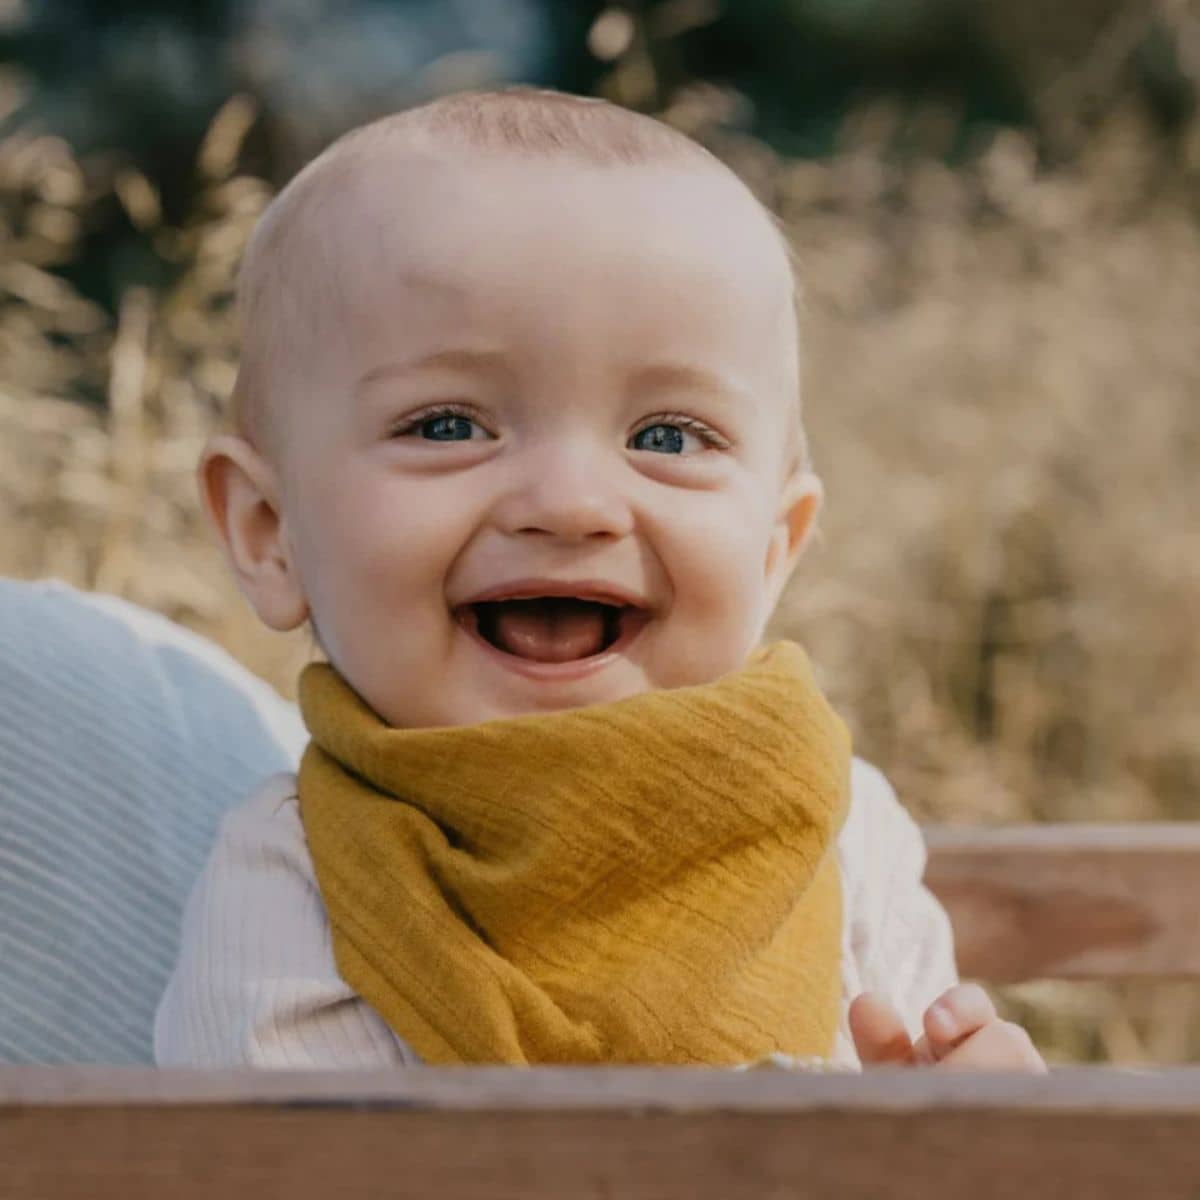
point(255, 983)
point(897, 937)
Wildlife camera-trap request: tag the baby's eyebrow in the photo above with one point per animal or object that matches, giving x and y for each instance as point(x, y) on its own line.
point(661, 377)
point(461, 358)
point(640, 381)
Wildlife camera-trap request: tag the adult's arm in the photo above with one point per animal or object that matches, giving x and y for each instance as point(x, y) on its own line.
point(123, 739)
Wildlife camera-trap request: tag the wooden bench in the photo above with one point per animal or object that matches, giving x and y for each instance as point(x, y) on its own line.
point(1071, 902)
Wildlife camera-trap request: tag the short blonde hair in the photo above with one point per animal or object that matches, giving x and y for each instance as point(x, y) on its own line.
point(518, 121)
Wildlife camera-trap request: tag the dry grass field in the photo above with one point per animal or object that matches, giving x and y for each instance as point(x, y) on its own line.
point(1002, 393)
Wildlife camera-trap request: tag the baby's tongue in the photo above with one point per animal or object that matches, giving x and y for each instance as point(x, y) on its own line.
point(550, 630)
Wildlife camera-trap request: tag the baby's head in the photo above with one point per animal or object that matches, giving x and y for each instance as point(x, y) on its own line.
point(518, 411)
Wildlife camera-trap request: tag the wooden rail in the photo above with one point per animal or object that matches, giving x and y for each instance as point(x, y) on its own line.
point(1071, 901)
point(1076, 901)
point(493, 1134)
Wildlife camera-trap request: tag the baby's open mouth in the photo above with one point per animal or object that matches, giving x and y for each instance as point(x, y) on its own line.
point(552, 629)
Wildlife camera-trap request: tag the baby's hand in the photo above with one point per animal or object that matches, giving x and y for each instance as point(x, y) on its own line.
point(962, 1032)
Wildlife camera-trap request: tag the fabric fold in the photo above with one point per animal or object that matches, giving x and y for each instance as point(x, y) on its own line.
point(647, 881)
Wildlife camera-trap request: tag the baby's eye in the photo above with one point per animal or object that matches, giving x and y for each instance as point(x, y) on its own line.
point(448, 429)
point(444, 426)
point(674, 437)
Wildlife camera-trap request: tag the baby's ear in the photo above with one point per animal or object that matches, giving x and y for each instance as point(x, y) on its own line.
point(240, 493)
point(796, 519)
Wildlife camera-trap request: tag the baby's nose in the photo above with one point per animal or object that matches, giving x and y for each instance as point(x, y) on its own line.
point(575, 497)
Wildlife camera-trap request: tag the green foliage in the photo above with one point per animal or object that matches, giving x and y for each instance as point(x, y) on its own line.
point(134, 84)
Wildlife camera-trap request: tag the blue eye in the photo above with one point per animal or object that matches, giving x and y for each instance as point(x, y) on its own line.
point(447, 428)
point(665, 439)
point(442, 424)
point(661, 439)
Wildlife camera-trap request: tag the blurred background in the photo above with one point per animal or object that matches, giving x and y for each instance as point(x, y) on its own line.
point(995, 210)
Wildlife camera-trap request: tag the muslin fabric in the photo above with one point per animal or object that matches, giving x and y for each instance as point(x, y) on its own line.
point(256, 983)
point(648, 881)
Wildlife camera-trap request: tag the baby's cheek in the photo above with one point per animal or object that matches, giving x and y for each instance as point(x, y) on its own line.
point(730, 577)
point(719, 596)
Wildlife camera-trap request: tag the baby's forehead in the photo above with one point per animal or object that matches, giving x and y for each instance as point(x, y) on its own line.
point(655, 248)
point(435, 213)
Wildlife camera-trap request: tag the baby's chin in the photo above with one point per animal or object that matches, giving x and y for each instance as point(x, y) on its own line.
point(481, 685)
point(492, 699)
point(527, 698)
point(492, 696)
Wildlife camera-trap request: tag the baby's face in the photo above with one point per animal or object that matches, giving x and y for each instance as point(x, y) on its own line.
point(540, 459)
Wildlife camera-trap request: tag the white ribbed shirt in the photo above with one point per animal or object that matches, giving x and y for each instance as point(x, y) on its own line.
point(256, 984)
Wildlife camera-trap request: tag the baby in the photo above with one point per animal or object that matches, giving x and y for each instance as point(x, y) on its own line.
point(518, 432)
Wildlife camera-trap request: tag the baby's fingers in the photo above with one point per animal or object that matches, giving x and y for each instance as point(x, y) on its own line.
point(879, 1034)
point(955, 1015)
point(998, 1046)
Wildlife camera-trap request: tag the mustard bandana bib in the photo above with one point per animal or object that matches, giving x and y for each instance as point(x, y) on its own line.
point(648, 881)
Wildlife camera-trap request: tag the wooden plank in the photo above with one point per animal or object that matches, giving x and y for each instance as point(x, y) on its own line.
point(555, 1089)
point(67, 1134)
point(1071, 901)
